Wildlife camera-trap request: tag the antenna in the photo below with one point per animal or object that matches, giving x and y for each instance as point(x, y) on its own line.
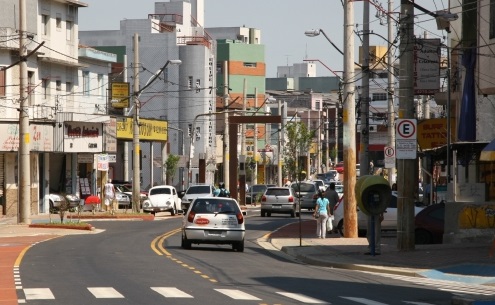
point(287, 57)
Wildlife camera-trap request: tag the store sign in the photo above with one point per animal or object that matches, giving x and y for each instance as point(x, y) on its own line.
point(149, 130)
point(111, 136)
point(102, 162)
point(40, 137)
point(120, 93)
point(426, 66)
point(83, 137)
point(432, 133)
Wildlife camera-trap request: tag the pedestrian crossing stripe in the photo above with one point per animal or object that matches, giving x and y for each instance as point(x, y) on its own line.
point(172, 292)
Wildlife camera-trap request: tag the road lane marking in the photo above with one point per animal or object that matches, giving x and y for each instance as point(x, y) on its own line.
point(302, 298)
point(364, 301)
point(105, 293)
point(237, 294)
point(38, 294)
point(171, 292)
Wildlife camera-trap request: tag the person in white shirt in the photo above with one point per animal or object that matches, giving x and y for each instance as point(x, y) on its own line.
point(109, 194)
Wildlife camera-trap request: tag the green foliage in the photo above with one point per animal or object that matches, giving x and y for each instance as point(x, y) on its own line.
point(171, 166)
point(298, 142)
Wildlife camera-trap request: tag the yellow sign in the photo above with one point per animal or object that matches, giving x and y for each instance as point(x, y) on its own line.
point(432, 133)
point(149, 130)
point(120, 95)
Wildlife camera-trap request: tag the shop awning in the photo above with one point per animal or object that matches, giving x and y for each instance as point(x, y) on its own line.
point(488, 153)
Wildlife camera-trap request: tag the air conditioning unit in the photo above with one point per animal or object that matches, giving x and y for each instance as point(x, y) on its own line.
point(373, 128)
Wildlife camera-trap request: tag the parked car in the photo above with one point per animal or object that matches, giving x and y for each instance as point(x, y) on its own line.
point(194, 191)
point(320, 183)
point(389, 222)
point(280, 200)
point(214, 220)
point(126, 188)
point(339, 167)
point(256, 191)
point(162, 198)
point(429, 224)
point(330, 176)
point(56, 201)
point(307, 193)
point(123, 200)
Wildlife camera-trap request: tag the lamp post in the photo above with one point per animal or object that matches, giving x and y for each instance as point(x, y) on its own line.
point(136, 181)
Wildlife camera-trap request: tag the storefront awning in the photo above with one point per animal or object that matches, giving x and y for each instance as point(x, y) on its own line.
point(488, 153)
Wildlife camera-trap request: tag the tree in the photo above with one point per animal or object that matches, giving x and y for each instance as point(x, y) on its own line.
point(299, 139)
point(171, 167)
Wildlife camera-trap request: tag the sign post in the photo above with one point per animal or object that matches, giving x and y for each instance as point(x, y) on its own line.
point(389, 152)
point(406, 143)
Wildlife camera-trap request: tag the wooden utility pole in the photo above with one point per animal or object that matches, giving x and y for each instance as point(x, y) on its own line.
point(136, 171)
point(349, 121)
point(406, 180)
point(365, 93)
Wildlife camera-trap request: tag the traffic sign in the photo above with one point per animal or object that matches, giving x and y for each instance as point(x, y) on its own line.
point(389, 152)
point(406, 149)
point(406, 129)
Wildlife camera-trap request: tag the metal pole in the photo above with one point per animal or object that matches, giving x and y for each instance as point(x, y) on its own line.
point(24, 148)
point(363, 150)
point(390, 93)
point(279, 146)
point(226, 124)
point(336, 131)
point(349, 120)
point(327, 139)
point(406, 179)
point(136, 181)
point(255, 149)
point(243, 127)
point(126, 144)
point(449, 133)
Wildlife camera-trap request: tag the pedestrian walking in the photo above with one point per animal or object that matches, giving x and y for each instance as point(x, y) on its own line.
point(322, 211)
point(332, 196)
point(109, 194)
point(221, 191)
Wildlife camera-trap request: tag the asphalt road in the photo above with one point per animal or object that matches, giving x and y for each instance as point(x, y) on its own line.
point(135, 262)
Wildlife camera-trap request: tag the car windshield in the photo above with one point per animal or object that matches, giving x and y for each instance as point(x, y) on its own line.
point(198, 189)
point(215, 206)
point(332, 174)
point(304, 187)
point(159, 191)
point(124, 188)
point(339, 188)
point(277, 192)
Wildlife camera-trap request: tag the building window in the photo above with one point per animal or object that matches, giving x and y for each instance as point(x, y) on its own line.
point(2, 83)
point(198, 85)
point(86, 83)
point(45, 85)
point(45, 22)
point(381, 96)
point(59, 22)
point(69, 90)
point(58, 85)
point(101, 87)
point(492, 19)
point(189, 82)
point(250, 64)
point(31, 88)
point(68, 26)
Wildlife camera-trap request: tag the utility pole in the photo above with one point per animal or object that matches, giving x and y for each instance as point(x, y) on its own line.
point(255, 149)
point(281, 127)
point(327, 138)
point(365, 101)
point(243, 127)
point(349, 121)
point(24, 148)
point(136, 172)
point(226, 124)
point(126, 145)
point(406, 179)
point(390, 91)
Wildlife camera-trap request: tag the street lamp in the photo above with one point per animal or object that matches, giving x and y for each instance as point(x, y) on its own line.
point(136, 184)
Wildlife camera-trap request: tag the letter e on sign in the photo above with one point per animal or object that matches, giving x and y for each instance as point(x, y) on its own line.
point(406, 129)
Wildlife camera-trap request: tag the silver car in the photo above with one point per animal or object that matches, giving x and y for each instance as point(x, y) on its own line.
point(214, 220)
point(280, 200)
point(307, 192)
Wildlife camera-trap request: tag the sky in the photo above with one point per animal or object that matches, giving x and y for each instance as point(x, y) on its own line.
point(282, 24)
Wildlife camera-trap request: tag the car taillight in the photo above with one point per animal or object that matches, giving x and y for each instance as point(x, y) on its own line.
point(263, 198)
point(240, 218)
point(291, 199)
point(190, 217)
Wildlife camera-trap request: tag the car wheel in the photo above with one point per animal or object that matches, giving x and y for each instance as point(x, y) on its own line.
point(269, 214)
point(153, 213)
point(238, 246)
point(340, 227)
point(185, 244)
point(422, 237)
point(292, 214)
point(263, 213)
point(173, 211)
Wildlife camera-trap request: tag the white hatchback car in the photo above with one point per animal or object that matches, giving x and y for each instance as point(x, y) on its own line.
point(214, 220)
point(162, 198)
point(389, 222)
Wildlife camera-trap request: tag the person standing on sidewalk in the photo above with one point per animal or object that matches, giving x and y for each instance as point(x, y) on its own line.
point(322, 211)
point(109, 195)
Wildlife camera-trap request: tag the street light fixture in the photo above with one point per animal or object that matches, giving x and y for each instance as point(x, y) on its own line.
point(136, 180)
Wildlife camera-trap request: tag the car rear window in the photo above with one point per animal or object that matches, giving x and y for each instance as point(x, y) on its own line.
point(258, 188)
point(159, 191)
point(200, 189)
point(212, 206)
point(304, 187)
point(277, 192)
